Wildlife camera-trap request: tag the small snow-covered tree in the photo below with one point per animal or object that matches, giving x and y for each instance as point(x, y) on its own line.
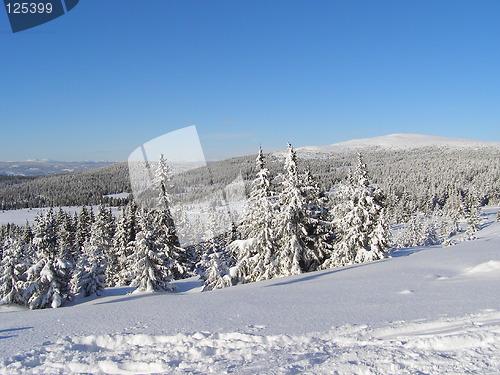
point(474, 221)
point(90, 274)
point(216, 275)
point(360, 222)
point(12, 269)
point(430, 232)
point(379, 239)
point(413, 233)
point(48, 278)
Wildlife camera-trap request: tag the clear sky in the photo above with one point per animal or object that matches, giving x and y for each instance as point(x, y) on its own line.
point(110, 75)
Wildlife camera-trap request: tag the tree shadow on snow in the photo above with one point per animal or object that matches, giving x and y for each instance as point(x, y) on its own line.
point(12, 330)
point(191, 285)
point(405, 251)
point(317, 274)
point(108, 292)
point(130, 297)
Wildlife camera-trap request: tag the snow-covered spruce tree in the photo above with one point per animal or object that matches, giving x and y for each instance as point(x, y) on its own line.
point(48, 278)
point(101, 237)
point(123, 243)
point(89, 277)
point(216, 265)
point(83, 222)
point(319, 224)
point(97, 257)
point(381, 236)
point(344, 249)
point(359, 221)
point(164, 222)
point(474, 222)
point(256, 253)
point(12, 272)
point(292, 221)
point(419, 231)
point(412, 234)
point(150, 269)
point(65, 233)
point(216, 274)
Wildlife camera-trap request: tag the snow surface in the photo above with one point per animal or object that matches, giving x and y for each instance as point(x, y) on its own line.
point(426, 310)
point(393, 142)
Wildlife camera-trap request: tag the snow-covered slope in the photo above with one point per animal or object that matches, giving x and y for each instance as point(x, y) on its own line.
point(427, 310)
point(395, 142)
point(401, 141)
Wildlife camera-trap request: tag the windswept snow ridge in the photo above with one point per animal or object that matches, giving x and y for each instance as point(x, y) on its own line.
point(405, 141)
point(466, 344)
point(393, 142)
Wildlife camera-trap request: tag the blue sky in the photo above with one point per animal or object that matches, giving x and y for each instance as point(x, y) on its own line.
point(113, 74)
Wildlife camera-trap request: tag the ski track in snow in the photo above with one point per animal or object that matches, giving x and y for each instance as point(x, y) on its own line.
point(469, 344)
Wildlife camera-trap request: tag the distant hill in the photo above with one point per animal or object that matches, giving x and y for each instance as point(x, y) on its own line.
point(394, 142)
point(408, 141)
point(47, 167)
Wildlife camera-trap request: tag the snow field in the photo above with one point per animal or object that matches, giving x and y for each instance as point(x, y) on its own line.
point(469, 344)
point(428, 310)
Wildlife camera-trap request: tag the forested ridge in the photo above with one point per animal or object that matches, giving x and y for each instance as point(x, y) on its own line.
point(420, 179)
point(84, 188)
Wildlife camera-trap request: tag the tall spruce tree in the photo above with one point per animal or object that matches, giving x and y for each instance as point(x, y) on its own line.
point(150, 268)
point(66, 236)
point(292, 221)
point(83, 222)
point(164, 223)
point(319, 224)
point(257, 258)
point(123, 243)
point(101, 236)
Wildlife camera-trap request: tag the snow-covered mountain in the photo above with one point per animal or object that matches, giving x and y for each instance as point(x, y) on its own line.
point(47, 167)
point(395, 142)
